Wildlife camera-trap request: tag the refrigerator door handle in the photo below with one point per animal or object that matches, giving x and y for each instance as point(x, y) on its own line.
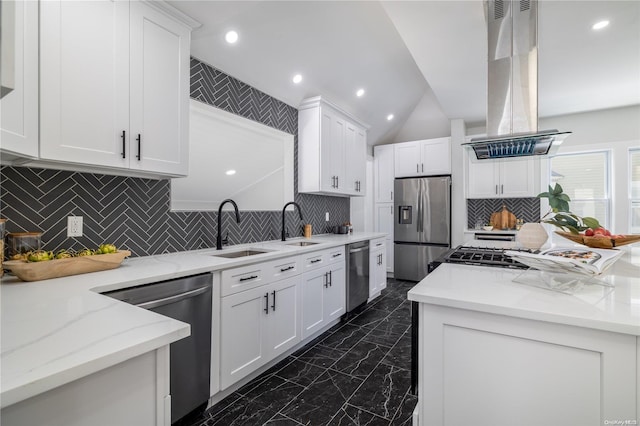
point(420, 224)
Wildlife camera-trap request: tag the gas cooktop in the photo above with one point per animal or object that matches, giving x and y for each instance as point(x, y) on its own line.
point(483, 256)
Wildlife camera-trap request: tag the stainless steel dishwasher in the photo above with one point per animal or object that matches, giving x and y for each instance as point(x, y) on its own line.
point(357, 274)
point(188, 300)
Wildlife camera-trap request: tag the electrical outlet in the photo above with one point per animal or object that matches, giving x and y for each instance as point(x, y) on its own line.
point(74, 226)
point(326, 217)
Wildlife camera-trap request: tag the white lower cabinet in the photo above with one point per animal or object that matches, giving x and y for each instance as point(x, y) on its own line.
point(256, 326)
point(486, 369)
point(133, 392)
point(377, 266)
point(323, 297)
point(384, 223)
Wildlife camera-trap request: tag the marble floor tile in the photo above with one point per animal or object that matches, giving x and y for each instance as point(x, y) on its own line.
point(383, 391)
point(388, 304)
point(321, 356)
point(404, 416)
point(244, 411)
point(400, 354)
point(282, 420)
point(383, 335)
point(361, 359)
point(370, 318)
point(354, 416)
point(344, 338)
point(318, 403)
point(301, 372)
point(275, 392)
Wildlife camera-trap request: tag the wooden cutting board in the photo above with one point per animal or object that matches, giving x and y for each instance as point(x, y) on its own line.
point(503, 219)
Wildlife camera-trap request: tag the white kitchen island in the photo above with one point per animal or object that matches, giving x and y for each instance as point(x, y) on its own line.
point(495, 352)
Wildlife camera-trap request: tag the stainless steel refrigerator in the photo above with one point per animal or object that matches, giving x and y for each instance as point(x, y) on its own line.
point(422, 224)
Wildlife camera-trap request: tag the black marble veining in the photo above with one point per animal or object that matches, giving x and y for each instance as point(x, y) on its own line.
point(357, 373)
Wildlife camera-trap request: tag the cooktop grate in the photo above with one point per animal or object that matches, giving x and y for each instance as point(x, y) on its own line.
point(483, 256)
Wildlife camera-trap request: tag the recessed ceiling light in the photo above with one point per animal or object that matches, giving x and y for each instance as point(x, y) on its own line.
point(360, 92)
point(297, 78)
point(231, 37)
point(600, 25)
point(389, 117)
point(230, 172)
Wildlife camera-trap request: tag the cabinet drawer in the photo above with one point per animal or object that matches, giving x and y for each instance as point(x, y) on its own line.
point(378, 243)
point(284, 268)
point(321, 258)
point(245, 278)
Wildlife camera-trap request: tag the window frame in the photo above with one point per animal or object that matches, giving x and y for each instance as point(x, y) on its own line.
point(630, 152)
point(608, 190)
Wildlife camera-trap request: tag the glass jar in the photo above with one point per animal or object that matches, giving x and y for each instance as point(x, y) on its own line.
point(23, 242)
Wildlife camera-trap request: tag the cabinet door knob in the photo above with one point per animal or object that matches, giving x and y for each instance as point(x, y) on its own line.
point(124, 144)
point(139, 156)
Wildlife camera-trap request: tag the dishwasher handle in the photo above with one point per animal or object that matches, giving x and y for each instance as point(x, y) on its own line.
point(172, 299)
point(358, 250)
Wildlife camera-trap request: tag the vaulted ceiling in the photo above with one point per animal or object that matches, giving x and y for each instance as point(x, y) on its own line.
point(423, 59)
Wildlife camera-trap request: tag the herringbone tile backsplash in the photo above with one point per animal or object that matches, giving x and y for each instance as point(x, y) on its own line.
point(527, 209)
point(133, 213)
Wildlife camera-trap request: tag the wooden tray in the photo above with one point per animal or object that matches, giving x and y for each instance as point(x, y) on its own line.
point(36, 271)
point(599, 242)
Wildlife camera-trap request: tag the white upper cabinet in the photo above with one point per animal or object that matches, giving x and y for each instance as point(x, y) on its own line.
point(355, 169)
point(383, 173)
point(114, 86)
point(331, 150)
point(423, 158)
point(159, 92)
point(504, 178)
point(19, 107)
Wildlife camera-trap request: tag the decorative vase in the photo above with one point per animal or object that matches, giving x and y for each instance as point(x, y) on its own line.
point(532, 236)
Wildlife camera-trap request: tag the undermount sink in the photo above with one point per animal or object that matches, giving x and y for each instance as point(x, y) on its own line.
point(240, 253)
point(302, 243)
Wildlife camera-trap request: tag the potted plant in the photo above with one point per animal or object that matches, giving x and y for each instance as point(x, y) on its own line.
point(559, 214)
point(533, 235)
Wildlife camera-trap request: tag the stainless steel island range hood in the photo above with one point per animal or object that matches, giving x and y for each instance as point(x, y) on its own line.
point(512, 108)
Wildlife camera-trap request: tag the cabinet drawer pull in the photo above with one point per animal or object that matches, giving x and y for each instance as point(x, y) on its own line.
point(266, 304)
point(124, 144)
point(252, 277)
point(316, 260)
point(139, 156)
point(287, 269)
point(337, 255)
point(274, 300)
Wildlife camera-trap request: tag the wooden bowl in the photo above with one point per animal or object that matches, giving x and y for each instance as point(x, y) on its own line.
point(36, 271)
point(600, 242)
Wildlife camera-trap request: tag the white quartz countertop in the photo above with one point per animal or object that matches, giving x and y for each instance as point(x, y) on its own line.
point(492, 290)
point(59, 330)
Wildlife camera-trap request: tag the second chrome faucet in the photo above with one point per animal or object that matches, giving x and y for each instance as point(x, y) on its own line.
point(284, 232)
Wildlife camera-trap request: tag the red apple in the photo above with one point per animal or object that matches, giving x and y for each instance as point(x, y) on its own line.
point(588, 232)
